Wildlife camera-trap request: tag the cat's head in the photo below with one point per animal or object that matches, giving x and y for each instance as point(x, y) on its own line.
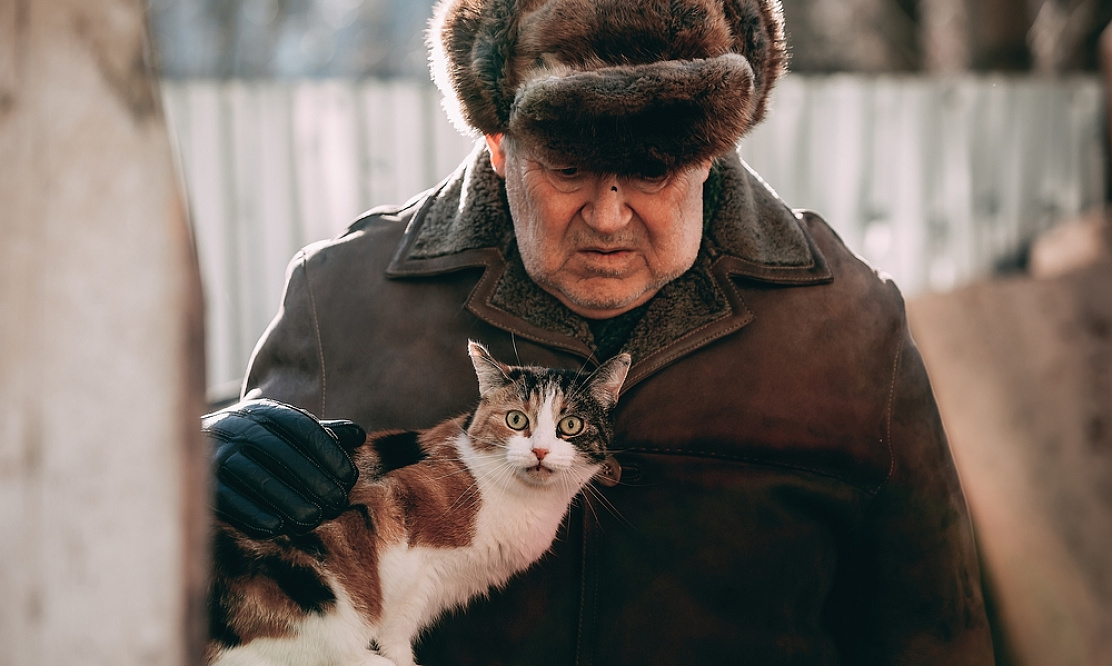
point(544, 426)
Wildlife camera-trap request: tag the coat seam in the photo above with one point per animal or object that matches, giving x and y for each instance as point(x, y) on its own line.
point(316, 330)
point(889, 409)
point(584, 602)
point(681, 347)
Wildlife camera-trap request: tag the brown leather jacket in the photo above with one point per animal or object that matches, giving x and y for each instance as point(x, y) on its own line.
point(786, 492)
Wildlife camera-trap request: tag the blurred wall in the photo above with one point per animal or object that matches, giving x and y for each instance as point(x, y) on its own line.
point(935, 181)
point(1022, 368)
point(385, 38)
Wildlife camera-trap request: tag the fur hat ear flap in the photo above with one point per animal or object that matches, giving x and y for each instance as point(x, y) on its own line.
point(589, 79)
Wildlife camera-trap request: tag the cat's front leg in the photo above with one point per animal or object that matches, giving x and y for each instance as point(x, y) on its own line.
point(394, 653)
point(380, 660)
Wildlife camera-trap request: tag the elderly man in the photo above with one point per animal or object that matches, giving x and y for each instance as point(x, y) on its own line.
point(782, 491)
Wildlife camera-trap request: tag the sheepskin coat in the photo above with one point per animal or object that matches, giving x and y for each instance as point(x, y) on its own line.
point(783, 493)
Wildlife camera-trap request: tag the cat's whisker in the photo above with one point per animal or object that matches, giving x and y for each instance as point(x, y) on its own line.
point(583, 366)
point(586, 501)
point(591, 490)
point(451, 474)
point(506, 471)
point(493, 443)
point(470, 492)
point(571, 485)
point(590, 506)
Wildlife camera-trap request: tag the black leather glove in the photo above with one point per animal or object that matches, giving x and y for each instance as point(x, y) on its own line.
point(279, 470)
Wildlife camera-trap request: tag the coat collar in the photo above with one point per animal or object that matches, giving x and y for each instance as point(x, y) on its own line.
point(750, 233)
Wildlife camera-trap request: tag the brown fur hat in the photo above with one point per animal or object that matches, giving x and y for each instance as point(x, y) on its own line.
point(622, 86)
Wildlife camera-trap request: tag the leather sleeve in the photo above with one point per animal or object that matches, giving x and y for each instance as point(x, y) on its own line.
point(287, 363)
point(920, 589)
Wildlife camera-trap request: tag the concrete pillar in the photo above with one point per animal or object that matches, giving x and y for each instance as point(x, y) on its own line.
point(1023, 373)
point(945, 35)
point(102, 487)
point(1105, 46)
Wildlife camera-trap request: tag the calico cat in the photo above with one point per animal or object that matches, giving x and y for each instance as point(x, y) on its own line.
point(483, 503)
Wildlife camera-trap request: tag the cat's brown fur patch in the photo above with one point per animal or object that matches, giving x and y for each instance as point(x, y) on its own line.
point(264, 587)
point(347, 587)
point(432, 505)
point(418, 497)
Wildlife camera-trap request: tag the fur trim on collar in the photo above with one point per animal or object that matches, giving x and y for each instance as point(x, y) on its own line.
point(746, 221)
point(745, 218)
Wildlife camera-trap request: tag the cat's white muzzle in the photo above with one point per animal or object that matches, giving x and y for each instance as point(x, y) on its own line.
point(541, 462)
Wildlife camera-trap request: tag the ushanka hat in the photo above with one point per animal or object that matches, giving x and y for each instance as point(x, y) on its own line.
point(616, 86)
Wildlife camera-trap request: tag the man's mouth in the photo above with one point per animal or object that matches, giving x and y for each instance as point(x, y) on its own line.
point(607, 256)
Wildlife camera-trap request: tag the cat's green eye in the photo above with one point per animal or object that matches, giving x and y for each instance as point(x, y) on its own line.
point(517, 420)
point(570, 426)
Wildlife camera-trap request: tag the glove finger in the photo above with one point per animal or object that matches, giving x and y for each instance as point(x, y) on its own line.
point(245, 515)
point(348, 433)
point(277, 452)
point(303, 432)
point(269, 492)
point(287, 461)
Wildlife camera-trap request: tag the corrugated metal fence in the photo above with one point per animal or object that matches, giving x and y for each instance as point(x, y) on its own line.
point(931, 180)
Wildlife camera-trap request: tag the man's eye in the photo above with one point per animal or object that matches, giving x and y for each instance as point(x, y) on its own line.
point(653, 181)
point(650, 177)
point(566, 179)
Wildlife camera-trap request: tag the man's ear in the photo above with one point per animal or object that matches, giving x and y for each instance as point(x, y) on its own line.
point(497, 153)
point(702, 169)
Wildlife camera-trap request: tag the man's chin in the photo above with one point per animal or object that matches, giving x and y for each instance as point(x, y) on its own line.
point(599, 300)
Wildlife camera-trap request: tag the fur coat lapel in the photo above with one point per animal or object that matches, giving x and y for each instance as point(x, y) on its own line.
point(750, 233)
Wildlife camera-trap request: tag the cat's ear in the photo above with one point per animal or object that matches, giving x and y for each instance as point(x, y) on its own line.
point(606, 382)
point(492, 374)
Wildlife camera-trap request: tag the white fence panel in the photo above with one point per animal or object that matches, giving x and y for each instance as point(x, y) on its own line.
point(931, 180)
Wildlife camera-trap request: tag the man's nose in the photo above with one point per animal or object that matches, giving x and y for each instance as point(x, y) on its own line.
point(608, 212)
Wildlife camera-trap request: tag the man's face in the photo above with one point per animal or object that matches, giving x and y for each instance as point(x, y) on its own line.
point(601, 244)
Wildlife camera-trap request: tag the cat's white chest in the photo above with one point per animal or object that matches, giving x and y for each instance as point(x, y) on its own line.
point(512, 530)
point(419, 583)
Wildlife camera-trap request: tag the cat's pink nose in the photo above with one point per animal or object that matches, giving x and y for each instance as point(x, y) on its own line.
point(540, 453)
